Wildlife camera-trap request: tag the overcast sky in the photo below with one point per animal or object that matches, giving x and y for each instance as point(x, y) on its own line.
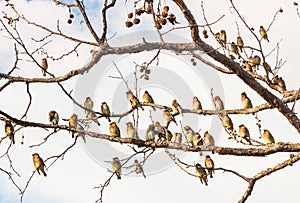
point(83, 167)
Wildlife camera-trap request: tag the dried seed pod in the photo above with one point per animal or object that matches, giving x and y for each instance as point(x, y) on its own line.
point(136, 21)
point(149, 9)
point(69, 21)
point(139, 11)
point(164, 14)
point(204, 32)
point(205, 36)
point(166, 8)
point(72, 15)
point(158, 25)
point(128, 23)
point(162, 21)
point(130, 15)
point(148, 71)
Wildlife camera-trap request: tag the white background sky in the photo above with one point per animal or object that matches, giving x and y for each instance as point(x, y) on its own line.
point(72, 179)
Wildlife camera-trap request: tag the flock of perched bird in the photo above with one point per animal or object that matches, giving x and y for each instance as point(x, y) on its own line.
point(154, 132)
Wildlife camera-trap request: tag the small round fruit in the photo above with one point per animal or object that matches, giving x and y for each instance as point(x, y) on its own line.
point(130, 15)
point(69, 21)
point(128, 23)
point(136, 21)
point(72, 15)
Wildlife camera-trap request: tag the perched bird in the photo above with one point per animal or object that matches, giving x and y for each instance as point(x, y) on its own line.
point(138, 168)
point(130, 130)
point(209, 165)
point(234, 48)
point(246, 102)
point(9, 131)
point(247, 66)
point(208, 140)
point(44, 65)
point(135, 103)
point(176, 108)
point(88, 104)
point(218, 103)
point(197, 140)
point(105, 110)
point(114, 130)
point(80, 134)
point(254, 60)
point(196, 104)
point(168, 117)
point(217, 36)
point(223, 38)
point(244, 133)
point(148, 99)
point(116, 166)
point(189, 134)
point(279, 81)
point(268, 137)
point(177, 138)
point(263, 33)
point(168, 135)
point(150, 133)
point(158, 127)
point(73, 121)
point(201, 173)
point(39, 164)
point(240, 43)
point(267, 68)
point(53, 118)
point(91, 115)
point(227, 122)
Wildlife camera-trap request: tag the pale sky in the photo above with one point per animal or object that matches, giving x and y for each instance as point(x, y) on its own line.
point(73, 179)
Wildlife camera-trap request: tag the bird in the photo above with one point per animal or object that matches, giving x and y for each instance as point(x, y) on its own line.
point(196, 104)
point(201, 173)
point(114, 130)
point(39, 164)
point(247, 66)
point(240, 43)
point(158, 127)
point(135, 103)
point(209, 165)
point(167, 134)
point(267, 69)
point(176, 108)
point(268, 137)
point(208, 140)
point(254, 60)
point(9, 131)
point(279, 81)
point(116, 166)
point(263, 33)
point(168, 117)
point(218, 103)
point(148, 99)
point(138, 168)
point(227, 122)
point(88, 104)
point(244, 133)
point(80, 134)
point(234, 48)
point(246, 102)
point(189, 134)
point(150, 133)
point(53, 118)
point(44, 65)
point(91, 115)
point(223, 37)
point(130, 130)
point(105, 110)
point(73, 121)
point(197, 140)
